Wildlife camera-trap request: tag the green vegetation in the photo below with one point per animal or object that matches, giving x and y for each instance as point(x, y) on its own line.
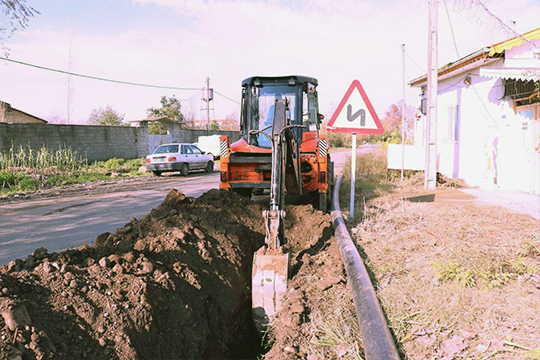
point(25, 169)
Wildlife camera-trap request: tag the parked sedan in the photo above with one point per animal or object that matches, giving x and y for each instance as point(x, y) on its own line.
point(179, 157)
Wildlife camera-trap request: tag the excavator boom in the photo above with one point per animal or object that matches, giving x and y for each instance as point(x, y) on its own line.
point(279, 153)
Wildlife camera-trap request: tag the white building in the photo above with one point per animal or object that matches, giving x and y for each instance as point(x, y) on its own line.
point(488, 118)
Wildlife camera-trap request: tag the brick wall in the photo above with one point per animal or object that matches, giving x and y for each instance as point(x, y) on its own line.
point(11, 115)
point(95, 142)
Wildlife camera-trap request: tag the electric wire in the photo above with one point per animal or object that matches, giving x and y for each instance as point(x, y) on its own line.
point(116, 81)
point(228, 98)
point(462, 68)
point(97, 78)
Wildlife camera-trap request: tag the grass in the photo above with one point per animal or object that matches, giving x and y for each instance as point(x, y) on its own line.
point(25, 169)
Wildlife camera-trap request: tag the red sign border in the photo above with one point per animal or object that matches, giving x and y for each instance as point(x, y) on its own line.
point(355, 84)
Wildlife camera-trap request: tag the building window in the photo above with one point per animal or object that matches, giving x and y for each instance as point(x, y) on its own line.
point(451, 128)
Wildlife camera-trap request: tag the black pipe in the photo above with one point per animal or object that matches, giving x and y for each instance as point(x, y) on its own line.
point(376, 337)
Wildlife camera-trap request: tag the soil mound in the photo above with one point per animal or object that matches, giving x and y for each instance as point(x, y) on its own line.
point(173, 285)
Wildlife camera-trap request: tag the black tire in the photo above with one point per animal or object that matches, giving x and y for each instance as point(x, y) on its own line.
point(184, 170)
point(209, 167)
point(157, 173)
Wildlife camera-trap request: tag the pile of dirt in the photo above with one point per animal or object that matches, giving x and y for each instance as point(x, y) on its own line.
point(175, 284)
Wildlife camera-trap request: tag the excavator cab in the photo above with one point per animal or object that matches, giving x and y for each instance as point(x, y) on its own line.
point(282, 150)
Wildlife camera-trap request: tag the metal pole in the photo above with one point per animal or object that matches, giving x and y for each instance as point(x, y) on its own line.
point(430, 167)
point(353, 173)
point(403, 116)
point(207, 105)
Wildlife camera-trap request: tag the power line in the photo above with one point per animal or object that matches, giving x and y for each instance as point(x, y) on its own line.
point(504, 24)
point(228, 98)
point(98, 78)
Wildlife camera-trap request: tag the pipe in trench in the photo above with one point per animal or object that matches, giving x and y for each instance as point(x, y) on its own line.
point(376, 337)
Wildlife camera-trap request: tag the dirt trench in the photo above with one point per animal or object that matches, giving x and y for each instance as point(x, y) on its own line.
point(175, 284)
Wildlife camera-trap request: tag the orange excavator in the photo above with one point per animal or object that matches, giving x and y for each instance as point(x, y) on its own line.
point(283, 151)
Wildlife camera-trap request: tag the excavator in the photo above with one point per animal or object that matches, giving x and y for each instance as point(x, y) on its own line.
point(282, 150)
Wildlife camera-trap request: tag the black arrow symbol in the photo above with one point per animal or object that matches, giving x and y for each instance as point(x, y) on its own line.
point(361, 113)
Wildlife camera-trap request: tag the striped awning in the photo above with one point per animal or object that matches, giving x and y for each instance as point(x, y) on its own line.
point(517, 41)
point(525, 74)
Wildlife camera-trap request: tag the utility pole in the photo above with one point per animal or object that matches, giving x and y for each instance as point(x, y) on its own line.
point(403, 115)
point(207, 105)
point(208, 95)
point(430, 166)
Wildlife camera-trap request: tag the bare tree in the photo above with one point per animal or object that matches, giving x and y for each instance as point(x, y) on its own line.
point(15, 17)
point(56, 119)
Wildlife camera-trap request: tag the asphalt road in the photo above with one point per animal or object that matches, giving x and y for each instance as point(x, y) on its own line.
point(63, 223)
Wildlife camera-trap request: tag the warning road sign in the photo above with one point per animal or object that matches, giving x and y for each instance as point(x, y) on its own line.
point(355, 113)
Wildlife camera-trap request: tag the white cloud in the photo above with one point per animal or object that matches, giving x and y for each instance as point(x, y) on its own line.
point(229, 40)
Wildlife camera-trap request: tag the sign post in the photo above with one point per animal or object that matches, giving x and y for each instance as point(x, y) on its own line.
point(355, 115)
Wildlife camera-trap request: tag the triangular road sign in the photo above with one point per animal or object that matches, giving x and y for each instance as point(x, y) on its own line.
point(355, 114)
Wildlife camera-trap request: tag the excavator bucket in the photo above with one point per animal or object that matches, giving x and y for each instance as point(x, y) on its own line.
point(269, 284)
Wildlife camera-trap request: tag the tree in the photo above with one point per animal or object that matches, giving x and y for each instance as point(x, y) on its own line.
point(170, 108)
point(392, 120)
point(105, 117)
point(15, 17)
point(214, 125)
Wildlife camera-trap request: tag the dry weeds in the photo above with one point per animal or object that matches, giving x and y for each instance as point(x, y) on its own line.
point(456, 281)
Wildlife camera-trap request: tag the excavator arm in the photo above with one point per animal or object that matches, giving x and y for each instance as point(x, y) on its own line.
point(270, 264)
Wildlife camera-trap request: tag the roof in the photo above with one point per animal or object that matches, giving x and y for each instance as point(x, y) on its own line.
point(517, 41)
point(162, 119)
point(479, 58)
point(267, 79)
point(8, 107)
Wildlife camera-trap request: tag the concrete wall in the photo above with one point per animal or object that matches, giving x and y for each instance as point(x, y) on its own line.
point(95, 142)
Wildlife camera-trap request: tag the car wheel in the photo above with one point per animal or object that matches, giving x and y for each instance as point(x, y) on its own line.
point(209, 167)
point(184, 170)
point(157, 173)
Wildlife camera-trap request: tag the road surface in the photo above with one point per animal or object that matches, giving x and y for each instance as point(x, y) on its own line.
point(62, 223)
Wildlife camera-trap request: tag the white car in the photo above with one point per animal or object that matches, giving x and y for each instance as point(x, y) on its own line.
point(179, 157)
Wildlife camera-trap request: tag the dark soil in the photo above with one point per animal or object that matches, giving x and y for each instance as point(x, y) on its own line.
point(175, 284)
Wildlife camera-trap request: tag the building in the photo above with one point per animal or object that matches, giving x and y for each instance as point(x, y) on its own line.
point(9, 114)
point(488, 118)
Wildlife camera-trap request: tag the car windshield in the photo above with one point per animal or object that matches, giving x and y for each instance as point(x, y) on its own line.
point(164, 149)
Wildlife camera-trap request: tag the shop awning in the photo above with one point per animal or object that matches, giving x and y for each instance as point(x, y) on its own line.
point(525, 74)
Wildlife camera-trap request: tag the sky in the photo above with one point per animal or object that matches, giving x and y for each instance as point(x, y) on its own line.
point(179, 43)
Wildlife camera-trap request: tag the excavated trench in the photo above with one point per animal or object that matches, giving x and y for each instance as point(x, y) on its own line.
point(175, 284)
